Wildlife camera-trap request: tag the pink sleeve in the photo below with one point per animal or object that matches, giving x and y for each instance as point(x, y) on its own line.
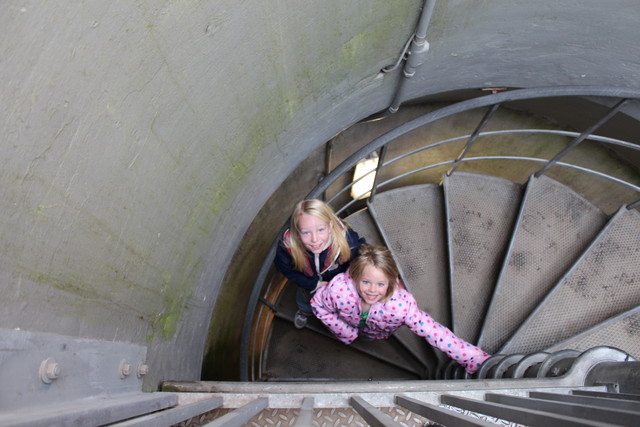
point(325, 308)
point(439, 336)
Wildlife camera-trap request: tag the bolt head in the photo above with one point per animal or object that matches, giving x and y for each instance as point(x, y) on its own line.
point(143, 370)
point(125, 369)
point(53, 371)
point(49, 370)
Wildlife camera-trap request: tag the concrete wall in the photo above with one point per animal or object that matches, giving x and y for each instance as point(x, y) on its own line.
point(140, 139)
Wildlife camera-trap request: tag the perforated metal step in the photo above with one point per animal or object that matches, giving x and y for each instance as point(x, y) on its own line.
point(412, 224)
point(602, 284)
point(480, 211)
point(362, 222)
point(622, 332)
point(554, 227)
point(364, 225)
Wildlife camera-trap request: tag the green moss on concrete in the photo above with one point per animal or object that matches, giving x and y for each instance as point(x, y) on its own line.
point(70, 286)
point(169, 325)
point(357, 46)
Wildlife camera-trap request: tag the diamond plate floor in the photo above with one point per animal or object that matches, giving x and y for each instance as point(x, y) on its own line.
point(334, 417)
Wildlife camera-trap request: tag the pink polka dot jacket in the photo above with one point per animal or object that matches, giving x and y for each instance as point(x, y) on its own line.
point(337, 305)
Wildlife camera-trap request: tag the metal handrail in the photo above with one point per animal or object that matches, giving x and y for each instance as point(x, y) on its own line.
point(493, 101)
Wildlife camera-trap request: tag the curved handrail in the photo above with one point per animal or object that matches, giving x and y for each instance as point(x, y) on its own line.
point(492, 101)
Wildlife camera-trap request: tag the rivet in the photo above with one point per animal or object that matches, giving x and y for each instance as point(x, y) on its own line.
point(49, 370)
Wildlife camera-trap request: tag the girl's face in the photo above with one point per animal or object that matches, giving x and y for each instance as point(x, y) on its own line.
point(373, 285)
point(314, 232)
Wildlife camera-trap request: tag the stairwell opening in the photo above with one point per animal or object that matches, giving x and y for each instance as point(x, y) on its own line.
point(298, 353)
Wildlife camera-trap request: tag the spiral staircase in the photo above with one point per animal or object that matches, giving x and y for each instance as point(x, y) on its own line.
point(565, 302)
point(532, 271)
point(534, 268)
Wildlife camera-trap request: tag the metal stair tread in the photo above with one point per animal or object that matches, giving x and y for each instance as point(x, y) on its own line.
point(412, 223)
point(603, 283)
point(554, 227)
point(481, 211)
point(362, 223)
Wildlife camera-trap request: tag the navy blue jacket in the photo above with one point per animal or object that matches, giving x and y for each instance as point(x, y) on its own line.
point(284, 263)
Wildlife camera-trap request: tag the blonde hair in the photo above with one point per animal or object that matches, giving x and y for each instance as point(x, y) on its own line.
point(380, 258)
point(338, 231)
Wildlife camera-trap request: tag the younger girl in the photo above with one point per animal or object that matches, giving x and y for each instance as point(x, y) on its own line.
point(316, 248)
point(369, 301)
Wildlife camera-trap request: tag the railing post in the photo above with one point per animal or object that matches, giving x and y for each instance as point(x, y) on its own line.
point(612, 112)
point(383, 153)
point(473, 137)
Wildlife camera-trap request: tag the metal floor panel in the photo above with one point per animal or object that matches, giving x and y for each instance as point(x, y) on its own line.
point(621, 332)
point(481, 211)
point(604, 283)
point(412, 223)
point(554, 227)
point(346, 417)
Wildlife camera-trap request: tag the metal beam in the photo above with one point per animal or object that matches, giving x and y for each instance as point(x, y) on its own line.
point(440, 415)
point(371, 415)
point(240, 416)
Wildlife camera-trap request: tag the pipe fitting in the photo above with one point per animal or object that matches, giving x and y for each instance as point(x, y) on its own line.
point(417, 57)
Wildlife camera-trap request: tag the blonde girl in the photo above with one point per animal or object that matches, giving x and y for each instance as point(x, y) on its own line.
point(315, 248)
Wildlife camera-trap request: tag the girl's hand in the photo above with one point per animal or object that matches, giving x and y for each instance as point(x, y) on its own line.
point(323, 284)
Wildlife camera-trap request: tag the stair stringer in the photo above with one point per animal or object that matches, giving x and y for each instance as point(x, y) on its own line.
point(480, 213)
point(603, 283)
point(554, 226)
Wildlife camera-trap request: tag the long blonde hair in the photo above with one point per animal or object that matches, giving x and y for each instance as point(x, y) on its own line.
point(380, 258)
point(338, 231)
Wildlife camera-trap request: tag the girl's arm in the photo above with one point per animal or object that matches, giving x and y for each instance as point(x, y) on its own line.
point(325, 308)
point(284, 264)
point(354, 241)
point(439, 336)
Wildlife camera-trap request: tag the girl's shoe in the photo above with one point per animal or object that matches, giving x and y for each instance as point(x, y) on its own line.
point(300, 320)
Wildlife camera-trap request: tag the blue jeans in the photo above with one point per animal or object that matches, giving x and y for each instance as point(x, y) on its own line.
point(303, 299)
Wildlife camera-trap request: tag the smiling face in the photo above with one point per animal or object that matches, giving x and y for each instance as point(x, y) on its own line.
point(372, 285)
point(314, 233)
